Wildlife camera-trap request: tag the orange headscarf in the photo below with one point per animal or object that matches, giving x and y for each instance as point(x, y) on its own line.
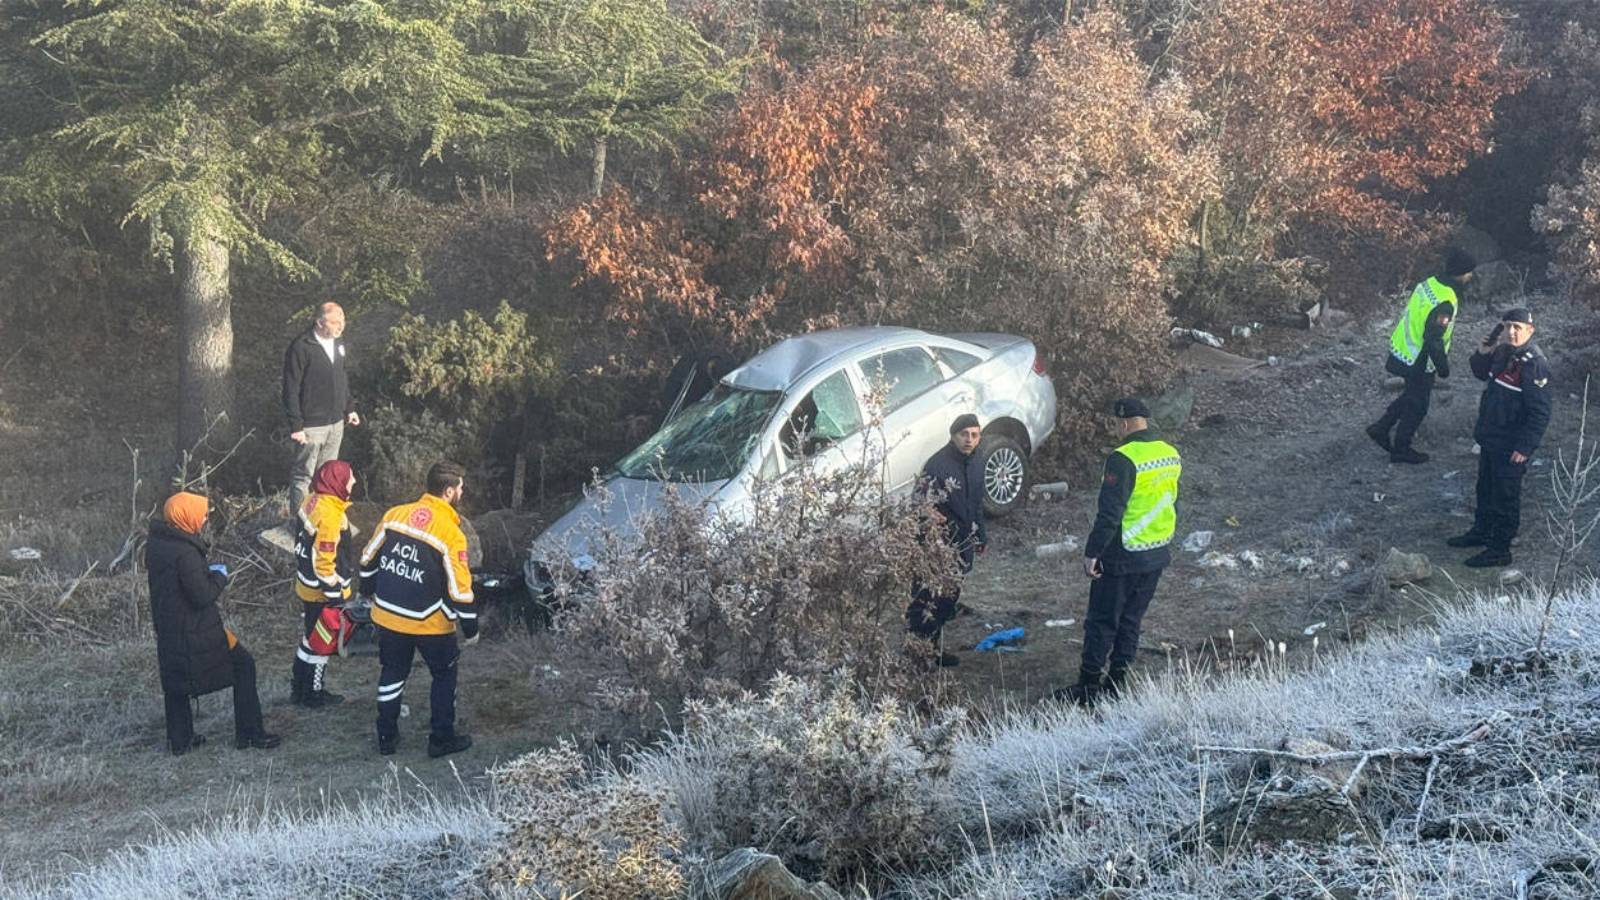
point(186, 512)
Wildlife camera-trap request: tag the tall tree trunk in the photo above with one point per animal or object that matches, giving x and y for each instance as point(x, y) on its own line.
point(205, 334)
point(597, 175)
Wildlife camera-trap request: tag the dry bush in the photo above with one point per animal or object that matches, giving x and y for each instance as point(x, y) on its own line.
point(835, 783)
point(1570, 217)
point(816, 579)
point(574, 835)
point(1044, 203)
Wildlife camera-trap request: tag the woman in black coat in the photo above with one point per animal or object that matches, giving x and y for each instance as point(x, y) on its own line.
point(195, 653)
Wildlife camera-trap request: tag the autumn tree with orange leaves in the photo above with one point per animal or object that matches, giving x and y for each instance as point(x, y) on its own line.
point(1336, 114)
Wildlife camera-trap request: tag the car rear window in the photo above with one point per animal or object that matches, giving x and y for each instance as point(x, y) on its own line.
point(957, 361)
point(906, 372)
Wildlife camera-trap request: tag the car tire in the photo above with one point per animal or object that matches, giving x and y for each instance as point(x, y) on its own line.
point(1006, 474)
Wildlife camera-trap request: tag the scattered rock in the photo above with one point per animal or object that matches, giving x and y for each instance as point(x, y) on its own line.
point(25, 553)
point(1216, 560)
point(749, 874)
point(1401, 568)
point(1060, 548)
point(1059, 623)
point(1494, 284)
point(1510, 577)
point(278, 537)
point(1346, 363)
point(1198, 540)
point(1170, 411)
point(1251, 559)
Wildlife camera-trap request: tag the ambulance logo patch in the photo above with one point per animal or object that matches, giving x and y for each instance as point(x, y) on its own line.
point(462, 555)
point(327, 546)
point(420, 517)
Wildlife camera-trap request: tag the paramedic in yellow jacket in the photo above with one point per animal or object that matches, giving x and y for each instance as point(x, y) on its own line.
point(415, 569)
point(323, 571)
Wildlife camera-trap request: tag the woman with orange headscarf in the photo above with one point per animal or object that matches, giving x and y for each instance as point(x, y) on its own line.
point(195, 653)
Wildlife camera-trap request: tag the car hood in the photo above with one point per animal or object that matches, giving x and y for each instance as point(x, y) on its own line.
point(569, 539)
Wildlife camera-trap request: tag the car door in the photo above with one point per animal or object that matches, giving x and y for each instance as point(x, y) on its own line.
point(915, 420)
point(824, 425)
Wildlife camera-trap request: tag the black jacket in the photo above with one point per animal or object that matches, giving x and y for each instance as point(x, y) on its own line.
point(316, 391)
point(1105, 537)
point(955, 483)
point(191, 645)
point(1515, 407)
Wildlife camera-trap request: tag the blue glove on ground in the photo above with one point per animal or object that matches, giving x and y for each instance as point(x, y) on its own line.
point(219, 568)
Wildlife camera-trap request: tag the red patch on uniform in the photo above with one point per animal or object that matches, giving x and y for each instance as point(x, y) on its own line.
point(420, 517)
point(462, 555)
point(327, 546)
point(1111, 478)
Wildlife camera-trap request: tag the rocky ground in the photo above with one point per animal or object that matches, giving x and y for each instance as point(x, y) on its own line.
point(1302, 509)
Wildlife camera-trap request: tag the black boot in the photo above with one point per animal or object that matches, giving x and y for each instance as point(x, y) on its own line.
point(1470, 539)
point(1085, 693)
point(453, 744)
point(257, 740)
point(387, 745)
point(318, 697)
point(300, 681)
point(1116, 682)
point(1490, 557)
point(1408, 456)
point(1380, 436)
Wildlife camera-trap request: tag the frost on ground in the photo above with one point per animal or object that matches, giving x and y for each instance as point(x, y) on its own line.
point(1439, 762)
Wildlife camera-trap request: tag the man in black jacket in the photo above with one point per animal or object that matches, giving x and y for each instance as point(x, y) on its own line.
point(952, 480)
point(1126, 550)
point(1419, 349)
point(316, 399)
point(1512, 416)
point(195, 654)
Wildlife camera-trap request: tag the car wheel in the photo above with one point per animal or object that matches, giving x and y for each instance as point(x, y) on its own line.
point(1005, 474)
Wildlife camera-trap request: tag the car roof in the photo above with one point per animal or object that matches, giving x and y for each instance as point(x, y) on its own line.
point(786, 362)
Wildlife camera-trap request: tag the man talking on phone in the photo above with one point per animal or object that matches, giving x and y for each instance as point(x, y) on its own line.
point(1512, 416)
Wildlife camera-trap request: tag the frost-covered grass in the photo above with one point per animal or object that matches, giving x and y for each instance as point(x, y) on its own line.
point(1052, 801)
point(399, 845)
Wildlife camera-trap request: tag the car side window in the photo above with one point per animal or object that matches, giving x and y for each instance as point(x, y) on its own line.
point(907, 372)
point(957, 360)
point(827, 415)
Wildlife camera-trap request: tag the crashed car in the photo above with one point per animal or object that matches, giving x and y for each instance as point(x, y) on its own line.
point(805, 397)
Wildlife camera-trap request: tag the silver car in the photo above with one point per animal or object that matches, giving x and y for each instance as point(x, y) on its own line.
point(814, 387)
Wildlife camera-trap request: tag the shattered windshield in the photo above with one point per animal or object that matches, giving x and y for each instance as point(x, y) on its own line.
point(708, 441)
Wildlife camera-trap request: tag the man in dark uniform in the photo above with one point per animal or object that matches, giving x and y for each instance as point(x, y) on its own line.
point(1126, 550)
point(952, 480)
point(1419, 349)
point(1512, 415)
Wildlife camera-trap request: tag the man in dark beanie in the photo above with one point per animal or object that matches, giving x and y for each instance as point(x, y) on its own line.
point(952, 481)
point(1419, 349)
point(1126, 550)
point(1512, 415)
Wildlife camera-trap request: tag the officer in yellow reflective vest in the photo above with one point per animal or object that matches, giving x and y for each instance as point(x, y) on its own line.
point(1126, 550)
point(1419, 349)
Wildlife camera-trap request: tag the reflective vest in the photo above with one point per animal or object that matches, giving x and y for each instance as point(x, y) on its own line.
point(416, 566)
point(322, 561)
point(1406, 342)
point(1151, 516)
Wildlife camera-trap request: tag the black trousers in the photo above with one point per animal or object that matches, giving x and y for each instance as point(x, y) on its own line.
point(1117, 604)
point(1408, 410)
point(929, 611)
point(395, 652)
point(246, 705)
point(1498, 516)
